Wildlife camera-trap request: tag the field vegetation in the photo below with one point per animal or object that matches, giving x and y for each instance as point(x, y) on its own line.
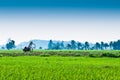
point(59, 65)
point(76, 53)
point(59, 68)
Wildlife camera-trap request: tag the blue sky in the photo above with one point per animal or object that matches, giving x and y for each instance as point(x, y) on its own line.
point(81, 20)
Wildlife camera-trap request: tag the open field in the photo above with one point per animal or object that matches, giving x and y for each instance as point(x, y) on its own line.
point(59, 68)
point(75, 53)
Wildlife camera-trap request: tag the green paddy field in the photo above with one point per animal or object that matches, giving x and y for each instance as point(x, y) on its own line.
point(59, 65)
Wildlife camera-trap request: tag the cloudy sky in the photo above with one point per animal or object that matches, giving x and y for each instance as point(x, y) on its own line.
point(81, 20)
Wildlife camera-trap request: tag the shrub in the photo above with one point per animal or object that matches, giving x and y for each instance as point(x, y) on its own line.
point(45, 55)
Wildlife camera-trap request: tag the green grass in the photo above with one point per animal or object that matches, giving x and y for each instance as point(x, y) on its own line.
point(76, 53)
point(59, 68)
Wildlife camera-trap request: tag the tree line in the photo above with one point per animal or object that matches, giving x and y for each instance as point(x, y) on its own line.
point(76, 45)
point(73, 45)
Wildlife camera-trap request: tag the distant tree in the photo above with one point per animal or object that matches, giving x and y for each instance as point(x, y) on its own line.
point(87, 45)
point(68, 46)
point(73, 44)
point(106, 45)
point(2, 47)
point(62, 45)
point(93, 48)
point(111, 44)
point(116, 45)
point(79, 46)
point(50, 45)
point(102, 45)
point(10, 44)
point(30, 47)
point(56, 46)
point(40, 47)
point(97, 46)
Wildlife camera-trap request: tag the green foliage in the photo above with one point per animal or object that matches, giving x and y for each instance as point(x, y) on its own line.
point(76, 53)
point(45, 55)
point(59, 68)
point(1, 55)
point(10, 44)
